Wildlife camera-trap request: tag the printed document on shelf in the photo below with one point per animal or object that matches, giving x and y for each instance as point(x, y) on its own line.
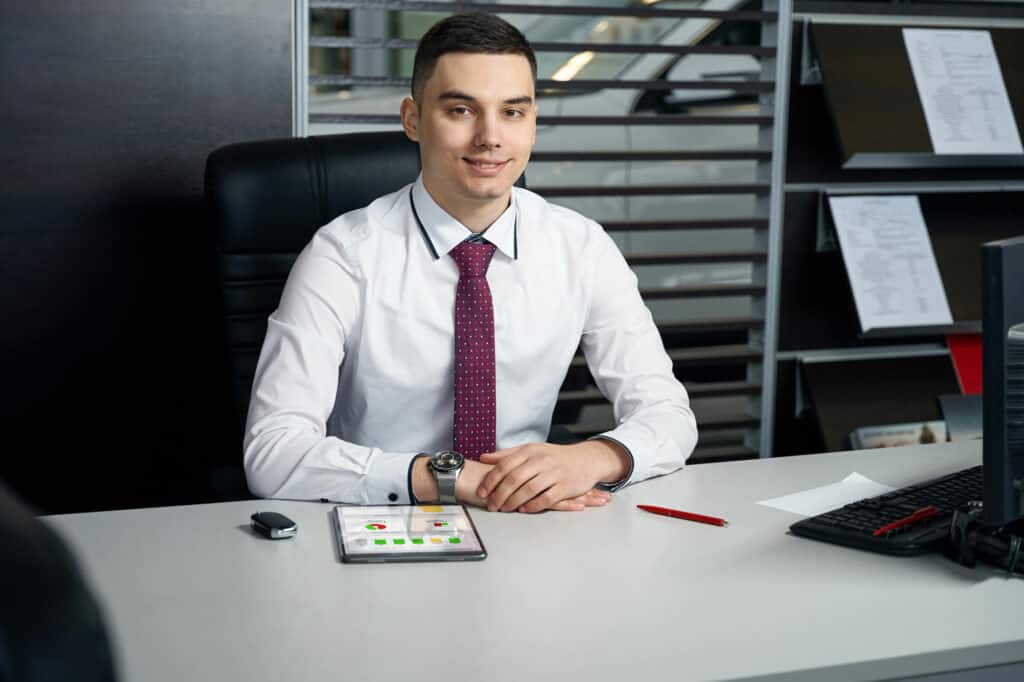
point(890, 262)
point(962, 91)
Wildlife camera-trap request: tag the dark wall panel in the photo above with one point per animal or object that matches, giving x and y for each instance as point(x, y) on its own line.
point(115, 384)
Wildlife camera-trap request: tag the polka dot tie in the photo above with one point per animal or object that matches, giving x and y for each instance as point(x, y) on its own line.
point(475, 424)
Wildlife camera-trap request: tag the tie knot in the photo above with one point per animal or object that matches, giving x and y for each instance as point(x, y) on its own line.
point(473, 258)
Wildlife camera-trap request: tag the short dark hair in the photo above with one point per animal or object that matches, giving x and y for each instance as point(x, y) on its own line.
point(475, 33)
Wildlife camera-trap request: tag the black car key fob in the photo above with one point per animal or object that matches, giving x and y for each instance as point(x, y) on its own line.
point(273, 525)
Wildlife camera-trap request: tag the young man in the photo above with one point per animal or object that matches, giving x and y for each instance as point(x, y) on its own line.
point(453, 308)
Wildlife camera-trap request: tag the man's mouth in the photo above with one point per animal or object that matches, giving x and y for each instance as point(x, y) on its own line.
point(484, 165)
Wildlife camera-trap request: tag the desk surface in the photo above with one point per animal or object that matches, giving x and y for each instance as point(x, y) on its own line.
point(607, 594)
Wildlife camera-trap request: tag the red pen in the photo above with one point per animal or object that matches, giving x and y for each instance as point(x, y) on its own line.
point(920, 514)
point(678, 514)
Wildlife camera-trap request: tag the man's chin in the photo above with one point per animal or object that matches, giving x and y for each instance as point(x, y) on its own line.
point(487, 191)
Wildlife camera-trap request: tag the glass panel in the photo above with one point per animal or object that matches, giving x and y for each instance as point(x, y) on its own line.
point(639, 173)
point(693, 274)
point(328, 60)
point(690, 241)
point(664, 138)
point(723, 308)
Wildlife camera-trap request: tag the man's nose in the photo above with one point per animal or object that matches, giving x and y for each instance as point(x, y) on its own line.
point(488, 132)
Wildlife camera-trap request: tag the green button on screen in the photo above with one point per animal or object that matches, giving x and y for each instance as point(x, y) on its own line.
point(454, 541)
point(399, 541)
point(380, 542)
point(417, 541)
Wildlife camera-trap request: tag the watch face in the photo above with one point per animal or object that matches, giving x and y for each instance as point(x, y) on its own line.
point(447, 461)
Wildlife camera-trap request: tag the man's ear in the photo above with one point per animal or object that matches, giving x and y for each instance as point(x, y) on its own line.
point(410, 119)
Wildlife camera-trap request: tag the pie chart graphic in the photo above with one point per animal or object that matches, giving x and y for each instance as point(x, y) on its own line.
point(376, 525)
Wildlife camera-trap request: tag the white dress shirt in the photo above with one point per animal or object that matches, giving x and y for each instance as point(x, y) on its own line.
point(355, 377)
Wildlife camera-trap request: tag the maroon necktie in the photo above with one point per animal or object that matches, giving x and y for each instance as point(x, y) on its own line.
point(474, 425)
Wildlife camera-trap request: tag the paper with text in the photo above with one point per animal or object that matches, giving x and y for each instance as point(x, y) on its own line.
point(962, 91)
point(890, 262)
point(828, 497)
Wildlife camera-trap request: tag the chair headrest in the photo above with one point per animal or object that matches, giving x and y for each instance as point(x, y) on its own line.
point(271, 196)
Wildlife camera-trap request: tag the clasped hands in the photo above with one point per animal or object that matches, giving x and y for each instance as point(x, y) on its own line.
point(540, 476)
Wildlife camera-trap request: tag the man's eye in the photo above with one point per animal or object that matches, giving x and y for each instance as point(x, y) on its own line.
point(460, 111)
point(514, 113)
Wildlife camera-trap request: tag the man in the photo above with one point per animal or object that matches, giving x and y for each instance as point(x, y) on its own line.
point(453, 308)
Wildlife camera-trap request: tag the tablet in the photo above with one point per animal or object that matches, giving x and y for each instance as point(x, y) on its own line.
point(406, 532)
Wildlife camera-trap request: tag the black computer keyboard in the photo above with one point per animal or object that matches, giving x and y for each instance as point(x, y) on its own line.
point(907, 521)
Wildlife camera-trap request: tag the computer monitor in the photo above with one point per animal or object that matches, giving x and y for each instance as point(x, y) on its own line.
point(1002, 323)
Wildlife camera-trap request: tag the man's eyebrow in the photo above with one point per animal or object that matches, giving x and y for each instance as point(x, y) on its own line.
point(456, 94)
point(459, 95)
point(524, 99)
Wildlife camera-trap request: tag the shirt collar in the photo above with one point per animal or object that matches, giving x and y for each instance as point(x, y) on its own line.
point(443, 233)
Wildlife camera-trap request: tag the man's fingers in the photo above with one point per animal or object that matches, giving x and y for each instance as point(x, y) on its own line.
point(511, 482)
point(556, 498)
point(591, 498)
point(497, 455)
point(528, 491)
point(550, 501)
point(596, 497)
point(565, 505)
point(590, 501)
point(547, 500)
point(509, 461)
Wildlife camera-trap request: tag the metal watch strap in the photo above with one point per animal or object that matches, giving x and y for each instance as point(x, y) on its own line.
point(446, 486)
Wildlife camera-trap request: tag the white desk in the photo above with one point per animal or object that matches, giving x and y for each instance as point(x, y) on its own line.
point(607, 594)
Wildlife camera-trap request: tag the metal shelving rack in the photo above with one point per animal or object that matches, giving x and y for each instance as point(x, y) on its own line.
point(816, 184)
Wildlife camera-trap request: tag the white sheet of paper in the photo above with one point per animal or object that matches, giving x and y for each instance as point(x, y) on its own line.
point(828, 497)
point(962, 91)
point(890, 262)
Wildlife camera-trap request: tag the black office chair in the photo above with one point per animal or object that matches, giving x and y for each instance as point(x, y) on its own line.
point(51, 624)
point(266, 200)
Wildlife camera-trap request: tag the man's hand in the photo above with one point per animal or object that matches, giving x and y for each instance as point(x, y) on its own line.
point(539, 476)
point(468, 486)
point(592, 498)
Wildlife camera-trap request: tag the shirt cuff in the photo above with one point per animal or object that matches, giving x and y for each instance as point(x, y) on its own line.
point(412, 496)
point(387, 479)
point(612, 487)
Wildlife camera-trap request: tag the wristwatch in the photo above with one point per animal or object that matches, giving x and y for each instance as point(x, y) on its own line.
point(446, 465)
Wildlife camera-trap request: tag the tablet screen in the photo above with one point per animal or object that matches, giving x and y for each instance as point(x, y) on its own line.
point(407, 533)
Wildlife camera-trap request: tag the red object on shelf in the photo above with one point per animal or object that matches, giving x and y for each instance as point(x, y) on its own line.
point(965, 349)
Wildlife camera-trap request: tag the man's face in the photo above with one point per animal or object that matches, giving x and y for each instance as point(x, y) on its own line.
point(476, 123)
